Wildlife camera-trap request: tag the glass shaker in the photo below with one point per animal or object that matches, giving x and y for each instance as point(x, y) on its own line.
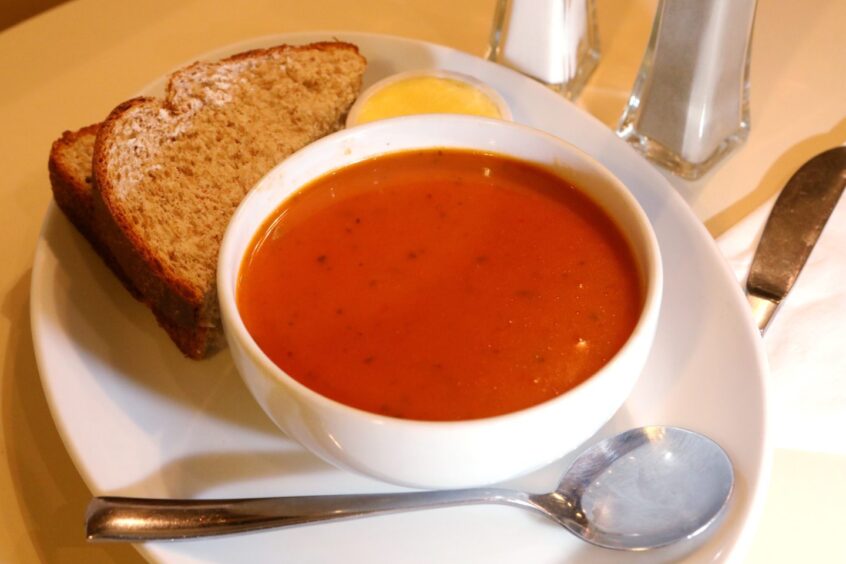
point(553, 41)
point(689, 106)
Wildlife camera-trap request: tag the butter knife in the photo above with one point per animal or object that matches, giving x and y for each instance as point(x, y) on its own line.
point(792, 229)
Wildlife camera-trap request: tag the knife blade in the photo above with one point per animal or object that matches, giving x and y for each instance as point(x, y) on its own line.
point(792, 229)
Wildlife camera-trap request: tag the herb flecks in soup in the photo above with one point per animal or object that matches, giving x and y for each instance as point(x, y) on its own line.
point(440, 285)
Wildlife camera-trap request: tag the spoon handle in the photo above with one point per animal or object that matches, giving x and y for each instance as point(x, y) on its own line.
point(138, 519)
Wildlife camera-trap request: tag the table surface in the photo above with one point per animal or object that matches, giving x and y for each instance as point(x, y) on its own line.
point(69, 66)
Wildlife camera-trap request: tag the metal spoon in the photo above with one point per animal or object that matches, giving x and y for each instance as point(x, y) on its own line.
point(644, 488)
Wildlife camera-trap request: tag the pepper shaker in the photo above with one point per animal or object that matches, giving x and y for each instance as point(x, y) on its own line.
point(689, 106)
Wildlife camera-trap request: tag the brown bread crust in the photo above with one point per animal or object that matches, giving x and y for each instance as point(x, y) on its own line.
point(72, 191)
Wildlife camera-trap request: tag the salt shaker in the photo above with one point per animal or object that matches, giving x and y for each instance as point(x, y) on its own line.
point(553, 41)
point(689, 106)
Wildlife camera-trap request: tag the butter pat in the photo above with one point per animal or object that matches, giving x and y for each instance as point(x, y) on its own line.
point(427, 92)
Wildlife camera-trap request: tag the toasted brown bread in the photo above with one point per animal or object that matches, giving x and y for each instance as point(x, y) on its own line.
point(169, 173)
point(71, 182)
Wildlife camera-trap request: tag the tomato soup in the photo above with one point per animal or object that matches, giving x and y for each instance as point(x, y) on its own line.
point(440, 285)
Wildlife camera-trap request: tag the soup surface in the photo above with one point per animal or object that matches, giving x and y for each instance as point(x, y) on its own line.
point(440, 285)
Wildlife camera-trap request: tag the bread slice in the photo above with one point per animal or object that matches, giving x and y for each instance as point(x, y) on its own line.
point(71, 182)
point(168, 174)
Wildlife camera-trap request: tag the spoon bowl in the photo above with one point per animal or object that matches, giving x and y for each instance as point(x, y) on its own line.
point(642, 489)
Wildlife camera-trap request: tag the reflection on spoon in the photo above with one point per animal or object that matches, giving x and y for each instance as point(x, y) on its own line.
point(644, 488)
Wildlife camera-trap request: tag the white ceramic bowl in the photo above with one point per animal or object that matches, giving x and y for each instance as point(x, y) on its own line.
point(439, 454)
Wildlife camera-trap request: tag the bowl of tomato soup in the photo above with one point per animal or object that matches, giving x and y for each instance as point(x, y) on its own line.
point(440, 301)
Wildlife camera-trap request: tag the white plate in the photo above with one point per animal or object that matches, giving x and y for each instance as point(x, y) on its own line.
point(139, 419)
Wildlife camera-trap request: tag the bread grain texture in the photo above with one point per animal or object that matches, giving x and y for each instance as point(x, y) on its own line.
point(169, 173)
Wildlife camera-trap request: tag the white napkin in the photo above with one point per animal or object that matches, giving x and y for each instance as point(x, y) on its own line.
point(806, 341)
